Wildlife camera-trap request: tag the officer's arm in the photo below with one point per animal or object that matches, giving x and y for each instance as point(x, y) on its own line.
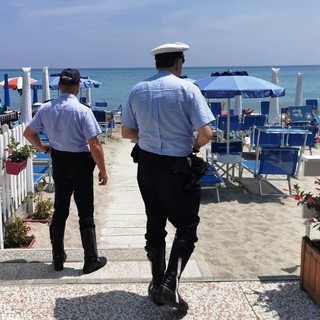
point(203, 137)
point(129, 133)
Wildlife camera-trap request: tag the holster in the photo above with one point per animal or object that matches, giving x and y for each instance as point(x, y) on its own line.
point(198, 169)
point(135, 153)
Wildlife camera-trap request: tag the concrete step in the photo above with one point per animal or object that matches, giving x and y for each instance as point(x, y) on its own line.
point(123, 266)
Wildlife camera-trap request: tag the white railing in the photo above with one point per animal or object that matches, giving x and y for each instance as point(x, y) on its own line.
point(13, 189)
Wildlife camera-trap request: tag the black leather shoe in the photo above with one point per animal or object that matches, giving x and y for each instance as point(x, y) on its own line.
point(170, 297)
point(91, 266)
point(58, 262)
point(152, 294)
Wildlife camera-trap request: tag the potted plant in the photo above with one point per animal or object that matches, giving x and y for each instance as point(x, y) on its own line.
point(18, 156)
point(43, 208)
point(16, 234)
point(310, 249)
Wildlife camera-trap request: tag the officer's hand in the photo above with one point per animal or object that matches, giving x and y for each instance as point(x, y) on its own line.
point(103, 179)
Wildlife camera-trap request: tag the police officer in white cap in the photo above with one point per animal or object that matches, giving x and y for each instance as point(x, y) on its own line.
point(162, 114)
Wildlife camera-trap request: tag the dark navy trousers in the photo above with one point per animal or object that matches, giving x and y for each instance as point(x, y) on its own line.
point(162, 181)
point(73, 174)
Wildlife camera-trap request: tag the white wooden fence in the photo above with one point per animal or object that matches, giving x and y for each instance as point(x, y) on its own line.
point(13, 189)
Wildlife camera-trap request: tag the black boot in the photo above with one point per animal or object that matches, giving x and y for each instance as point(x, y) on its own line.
point(91, 260)
point(168, 291)
point(59, 256)
point(156, 255)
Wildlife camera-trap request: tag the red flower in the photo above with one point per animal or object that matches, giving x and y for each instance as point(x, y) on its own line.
point(297, 197)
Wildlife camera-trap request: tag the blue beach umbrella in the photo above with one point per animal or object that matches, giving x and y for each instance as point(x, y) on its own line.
point(6, 93)
point(231, 84)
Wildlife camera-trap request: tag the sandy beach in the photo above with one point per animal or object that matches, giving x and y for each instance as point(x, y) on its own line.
point(244, 236)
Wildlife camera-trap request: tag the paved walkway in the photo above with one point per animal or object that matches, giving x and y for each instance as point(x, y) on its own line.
point(31, 289)
point(125, 219)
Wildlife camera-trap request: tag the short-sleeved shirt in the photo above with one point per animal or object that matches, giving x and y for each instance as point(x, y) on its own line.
point(166, 110)
point(67, 123)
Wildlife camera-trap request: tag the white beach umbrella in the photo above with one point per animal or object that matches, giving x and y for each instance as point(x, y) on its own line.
point(299, 95)
point(45, 87)
point(88, 96)
point(26, 99)
point(238, 105)
point(274, 111)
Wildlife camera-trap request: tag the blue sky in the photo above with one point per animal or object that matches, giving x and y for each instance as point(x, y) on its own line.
point(121, 33)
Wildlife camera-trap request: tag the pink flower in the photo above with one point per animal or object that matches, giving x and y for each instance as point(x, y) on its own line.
point(311, 200)
point(27, 225)
point(312, 220)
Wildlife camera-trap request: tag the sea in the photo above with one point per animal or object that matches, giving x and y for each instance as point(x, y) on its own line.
point(118, 82)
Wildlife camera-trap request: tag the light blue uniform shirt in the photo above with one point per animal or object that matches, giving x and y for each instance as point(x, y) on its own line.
point(166, 110)
point(68, 123)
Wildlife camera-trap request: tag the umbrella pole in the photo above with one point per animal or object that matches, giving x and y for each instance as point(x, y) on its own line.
point(228, 136)
point(228, 127)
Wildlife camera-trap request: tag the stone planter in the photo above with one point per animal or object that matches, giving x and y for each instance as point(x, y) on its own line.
point(310, 268)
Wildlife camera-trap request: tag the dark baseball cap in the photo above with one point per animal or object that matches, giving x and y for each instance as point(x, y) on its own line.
point(69, 77)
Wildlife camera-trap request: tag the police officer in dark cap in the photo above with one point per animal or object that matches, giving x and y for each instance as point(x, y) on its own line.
point(75, 150)
point(162, 114)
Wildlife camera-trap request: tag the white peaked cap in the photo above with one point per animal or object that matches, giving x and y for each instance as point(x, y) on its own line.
point(170, 47)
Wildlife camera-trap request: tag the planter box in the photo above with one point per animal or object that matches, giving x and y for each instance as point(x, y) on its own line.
point(36, 220)
point(31, 240)
point(310, 268)
point(15, 168)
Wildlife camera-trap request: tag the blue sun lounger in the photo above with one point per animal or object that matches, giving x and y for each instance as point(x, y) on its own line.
point(212, 180)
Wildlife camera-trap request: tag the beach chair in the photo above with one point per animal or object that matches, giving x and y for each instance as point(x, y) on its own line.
point(42, 168)
point(300, 115)
point(264, 108)
point(313, 103)
point(276, 162)
point(250, 121)
point(100, 116)
point(316, 119)
point(40, 172)
point(223, 160)
point(235, 126)
point(117, 113)
point(101, 104)
point(259, 138)
point(301, 140)
point(212, 180)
